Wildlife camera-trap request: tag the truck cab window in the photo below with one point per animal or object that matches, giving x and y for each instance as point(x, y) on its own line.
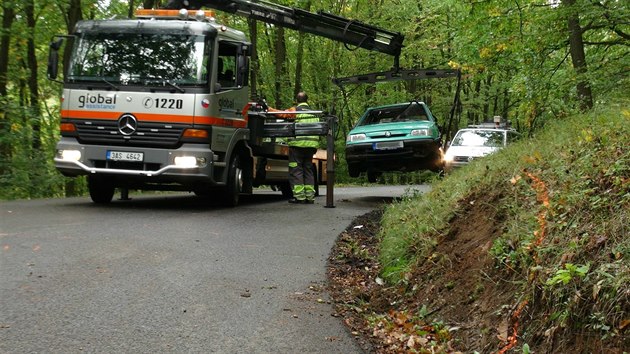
point(227, 65)
point(150, 58)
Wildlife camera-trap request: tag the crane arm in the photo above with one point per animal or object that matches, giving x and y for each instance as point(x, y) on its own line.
point(337, 28)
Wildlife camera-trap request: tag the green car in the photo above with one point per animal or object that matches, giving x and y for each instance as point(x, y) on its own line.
point(398, 137)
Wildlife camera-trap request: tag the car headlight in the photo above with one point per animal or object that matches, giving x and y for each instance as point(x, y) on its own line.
point(420, 132)
point(355, 137)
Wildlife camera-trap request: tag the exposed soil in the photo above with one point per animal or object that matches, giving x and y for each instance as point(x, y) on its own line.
point(456, 286)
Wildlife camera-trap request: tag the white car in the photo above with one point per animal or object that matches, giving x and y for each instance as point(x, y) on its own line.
point(475, 142)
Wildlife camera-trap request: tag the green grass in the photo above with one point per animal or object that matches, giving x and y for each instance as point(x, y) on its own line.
point(579, 272)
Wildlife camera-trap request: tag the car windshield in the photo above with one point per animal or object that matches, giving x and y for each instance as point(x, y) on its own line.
point(139, 58)
point(407, 113)
point(487, 138)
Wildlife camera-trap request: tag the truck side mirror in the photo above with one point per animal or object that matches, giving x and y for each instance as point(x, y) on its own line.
point(53, 58)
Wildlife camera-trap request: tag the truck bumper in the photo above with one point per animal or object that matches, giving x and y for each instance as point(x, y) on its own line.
point(190, 163)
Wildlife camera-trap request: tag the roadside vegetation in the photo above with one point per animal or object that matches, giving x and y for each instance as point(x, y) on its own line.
point(529, 62)
point(525, 250)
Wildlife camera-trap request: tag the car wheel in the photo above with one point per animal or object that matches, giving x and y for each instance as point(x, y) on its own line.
point(101, 190)
point(353, 171)
point(373, 176)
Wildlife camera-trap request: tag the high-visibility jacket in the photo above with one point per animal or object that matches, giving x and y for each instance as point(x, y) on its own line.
point(311, 141)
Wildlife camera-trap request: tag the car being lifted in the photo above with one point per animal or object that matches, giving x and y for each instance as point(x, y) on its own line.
point(397, 137)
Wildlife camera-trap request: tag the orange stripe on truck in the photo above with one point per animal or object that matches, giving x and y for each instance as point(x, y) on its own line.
point(150, 117)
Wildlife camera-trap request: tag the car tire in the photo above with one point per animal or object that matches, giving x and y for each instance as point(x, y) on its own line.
point(353, 171)
point(373, 176)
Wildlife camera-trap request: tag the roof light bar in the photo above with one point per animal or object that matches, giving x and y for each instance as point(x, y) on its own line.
point(199, 15)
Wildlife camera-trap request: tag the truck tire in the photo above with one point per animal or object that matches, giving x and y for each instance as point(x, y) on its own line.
point(234, 185)
point(101, 190)
point(285, 188)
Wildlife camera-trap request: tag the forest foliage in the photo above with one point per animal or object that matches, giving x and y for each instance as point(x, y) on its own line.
point(529, 61)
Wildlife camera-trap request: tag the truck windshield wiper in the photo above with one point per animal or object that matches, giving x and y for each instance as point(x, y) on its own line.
point(164, 82)
point(108, 84)
point(175, 86)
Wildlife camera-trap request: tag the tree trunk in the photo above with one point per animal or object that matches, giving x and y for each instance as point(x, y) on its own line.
point(280, 57)
point(8, 16)
point(74, 15)
point(299, 59)
point(33, 87)
point(148, 4)
point(5, 41)
point(255, 64)
point(578, 57)
point(132, 8)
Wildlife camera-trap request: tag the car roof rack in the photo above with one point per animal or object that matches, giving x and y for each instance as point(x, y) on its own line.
point(497, 123)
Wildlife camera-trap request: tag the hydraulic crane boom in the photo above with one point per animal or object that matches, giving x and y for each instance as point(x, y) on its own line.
point(349, 32)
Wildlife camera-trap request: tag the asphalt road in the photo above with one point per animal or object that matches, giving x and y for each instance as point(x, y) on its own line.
point(173, 274)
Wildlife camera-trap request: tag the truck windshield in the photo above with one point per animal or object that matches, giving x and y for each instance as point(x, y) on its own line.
point(140, 59)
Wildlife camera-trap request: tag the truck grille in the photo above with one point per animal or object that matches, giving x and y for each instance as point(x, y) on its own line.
point(147, 134)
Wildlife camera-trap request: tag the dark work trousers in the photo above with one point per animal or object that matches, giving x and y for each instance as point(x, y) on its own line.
point(301, 172)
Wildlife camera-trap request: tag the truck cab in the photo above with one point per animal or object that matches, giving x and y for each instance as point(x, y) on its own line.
point(161, 102)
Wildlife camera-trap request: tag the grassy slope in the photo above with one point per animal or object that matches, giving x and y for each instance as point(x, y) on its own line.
point(561, 204)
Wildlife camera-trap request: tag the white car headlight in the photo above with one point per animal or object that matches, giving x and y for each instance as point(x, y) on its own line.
point(355, 137)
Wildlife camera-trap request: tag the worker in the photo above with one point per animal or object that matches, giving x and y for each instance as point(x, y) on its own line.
point(301, 151)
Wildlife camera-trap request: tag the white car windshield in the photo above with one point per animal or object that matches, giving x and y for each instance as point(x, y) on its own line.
point(486, 138)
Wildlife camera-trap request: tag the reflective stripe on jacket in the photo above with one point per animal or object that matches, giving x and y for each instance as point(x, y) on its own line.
point(311, 141)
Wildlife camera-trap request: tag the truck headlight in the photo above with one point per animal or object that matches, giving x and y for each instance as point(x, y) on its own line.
point(69, 155)
point(355, 137)
point(420, 132)
point(185, 161)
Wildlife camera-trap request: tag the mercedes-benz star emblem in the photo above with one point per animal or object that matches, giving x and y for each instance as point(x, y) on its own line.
point(388, 134)
point(127, 124)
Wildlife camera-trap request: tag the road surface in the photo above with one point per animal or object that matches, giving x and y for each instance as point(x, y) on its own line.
point(171, 273)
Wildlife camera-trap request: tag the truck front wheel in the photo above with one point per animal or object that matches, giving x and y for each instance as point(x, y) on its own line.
point(101, 190)
point(234, 185)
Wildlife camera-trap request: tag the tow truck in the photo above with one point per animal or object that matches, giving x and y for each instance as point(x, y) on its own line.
point(162, 102)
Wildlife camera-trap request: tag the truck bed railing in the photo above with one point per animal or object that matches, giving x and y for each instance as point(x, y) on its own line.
point(275, 126)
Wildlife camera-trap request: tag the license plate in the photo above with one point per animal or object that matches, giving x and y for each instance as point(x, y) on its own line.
point(125, 156)
point(388, 145)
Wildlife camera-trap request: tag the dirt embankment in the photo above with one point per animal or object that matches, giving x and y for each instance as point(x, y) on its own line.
point(455, 301)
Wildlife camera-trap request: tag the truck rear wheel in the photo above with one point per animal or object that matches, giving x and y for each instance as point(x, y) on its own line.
point(101, 190)
point(285, 188)
point(234, 185)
